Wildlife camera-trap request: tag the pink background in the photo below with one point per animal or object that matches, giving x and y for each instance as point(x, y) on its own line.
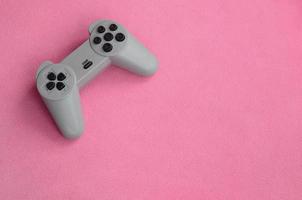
point(222, 118)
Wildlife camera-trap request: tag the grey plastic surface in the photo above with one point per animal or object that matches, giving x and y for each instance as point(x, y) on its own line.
point(64, 105)
point(79, 56)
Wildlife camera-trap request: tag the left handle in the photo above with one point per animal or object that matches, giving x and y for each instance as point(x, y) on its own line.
point(57, 86)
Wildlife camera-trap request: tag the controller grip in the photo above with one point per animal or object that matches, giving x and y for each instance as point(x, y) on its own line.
point(136, 58)
point(67, 114)
point(58, 88)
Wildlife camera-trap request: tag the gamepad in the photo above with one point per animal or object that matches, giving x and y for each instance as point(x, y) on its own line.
point(59, 84)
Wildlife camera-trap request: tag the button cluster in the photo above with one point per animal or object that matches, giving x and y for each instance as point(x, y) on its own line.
point(52, 77)
point(108, 37)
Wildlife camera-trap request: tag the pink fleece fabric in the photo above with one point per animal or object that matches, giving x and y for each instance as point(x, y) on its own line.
point(220, 120)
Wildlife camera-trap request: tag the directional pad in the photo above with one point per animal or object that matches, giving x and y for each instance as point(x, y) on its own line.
point(63, 85)
point(61, 77)
point(55, 80)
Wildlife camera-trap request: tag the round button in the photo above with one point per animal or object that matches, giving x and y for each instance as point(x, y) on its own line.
point(60, 85)
point(51, 76)
point(50, 85)
point(107, 47)
point(120, 37)
point(113, 27)
point(101, 29)
point(61, 77)
point(97, 40)
point(108, 36)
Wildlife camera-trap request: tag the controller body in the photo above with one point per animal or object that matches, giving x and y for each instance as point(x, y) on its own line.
point(59, 84)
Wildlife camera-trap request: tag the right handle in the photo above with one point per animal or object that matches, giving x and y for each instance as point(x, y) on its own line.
point(136, 58)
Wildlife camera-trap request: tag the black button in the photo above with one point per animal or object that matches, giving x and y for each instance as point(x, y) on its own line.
point(113, 27)
point(61, 77)
point(50, 85)
point(101, 29)
point(60, 85)
point(51, 76)
point(107, 47)
point(120, 37)
point(108, 37)
point(97, 40)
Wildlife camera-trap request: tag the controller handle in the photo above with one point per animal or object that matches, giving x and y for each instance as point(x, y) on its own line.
point(135, 58)
point(57, 86)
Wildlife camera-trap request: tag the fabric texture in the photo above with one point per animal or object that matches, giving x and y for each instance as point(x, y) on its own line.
point(221, 119)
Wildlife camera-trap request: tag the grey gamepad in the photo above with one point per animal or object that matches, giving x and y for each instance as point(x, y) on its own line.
point(59, 84)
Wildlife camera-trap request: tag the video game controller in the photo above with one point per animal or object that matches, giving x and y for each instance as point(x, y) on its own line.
point(59, 84)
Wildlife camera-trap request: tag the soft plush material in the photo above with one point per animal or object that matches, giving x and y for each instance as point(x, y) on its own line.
point(220, 120)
